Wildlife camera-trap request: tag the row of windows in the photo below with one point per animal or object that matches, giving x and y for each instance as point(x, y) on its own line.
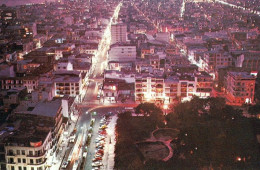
point(22, 152)
point(67, 84)
point(23, 160)
point(9, 87)
point(29, 82)
point(62, 92)
point(13, 81)
point(25, 168)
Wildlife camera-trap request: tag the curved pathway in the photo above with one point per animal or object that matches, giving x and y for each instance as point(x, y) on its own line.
point(165, 142)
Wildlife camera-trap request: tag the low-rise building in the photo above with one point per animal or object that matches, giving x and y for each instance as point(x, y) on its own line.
point(149, 88)
point(34, 135)
point(122, 52)
point(240, 88)
point(69, 83)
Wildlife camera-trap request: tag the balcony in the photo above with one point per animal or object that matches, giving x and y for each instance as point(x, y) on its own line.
point(37, 155)
point(42, 162)
point(10, 154)
point(11, 162)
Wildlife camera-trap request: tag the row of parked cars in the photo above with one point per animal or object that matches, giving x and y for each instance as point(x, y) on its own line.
point(100, 143)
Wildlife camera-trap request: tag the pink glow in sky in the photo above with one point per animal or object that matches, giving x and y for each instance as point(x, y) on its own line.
point(21, 2)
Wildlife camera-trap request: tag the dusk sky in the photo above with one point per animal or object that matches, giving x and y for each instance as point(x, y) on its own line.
point(20, 2)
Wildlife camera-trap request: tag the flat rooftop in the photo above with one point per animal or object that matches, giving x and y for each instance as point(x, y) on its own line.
point(47, 109)
point(23, 129)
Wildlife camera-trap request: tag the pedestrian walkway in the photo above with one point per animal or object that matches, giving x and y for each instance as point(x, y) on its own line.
point(109, 149)
point(59, 155)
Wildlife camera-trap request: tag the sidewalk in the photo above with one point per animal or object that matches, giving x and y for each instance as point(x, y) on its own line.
point(61, 151)
point(109, 149)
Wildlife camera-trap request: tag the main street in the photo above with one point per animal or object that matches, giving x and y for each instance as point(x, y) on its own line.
point(90, 103)
point(239, 7)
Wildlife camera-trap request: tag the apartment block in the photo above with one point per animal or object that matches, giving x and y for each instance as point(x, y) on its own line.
point(240, 87)
point(118, 33)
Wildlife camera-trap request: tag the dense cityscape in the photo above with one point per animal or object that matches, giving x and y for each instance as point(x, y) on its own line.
point(129, 84)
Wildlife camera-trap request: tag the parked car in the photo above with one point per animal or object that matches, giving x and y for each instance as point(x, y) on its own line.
point(85, 154)
point(65, 164)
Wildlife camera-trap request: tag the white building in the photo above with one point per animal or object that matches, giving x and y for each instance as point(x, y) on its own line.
point(69, 83)
point(122, 52)
point(33, 140)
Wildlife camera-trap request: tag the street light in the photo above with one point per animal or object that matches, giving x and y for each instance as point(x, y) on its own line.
point(165, 107)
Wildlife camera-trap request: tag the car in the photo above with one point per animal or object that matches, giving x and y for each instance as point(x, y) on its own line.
point(97, 164)
point(103, 132)
point(85, 154)
point(103, 126)
point(98, 156)
point(101, 151)
point(72, 139)
point(96, 159)
point(65, 164)
point(99, 147)
point(101, 142)
point(75, 165)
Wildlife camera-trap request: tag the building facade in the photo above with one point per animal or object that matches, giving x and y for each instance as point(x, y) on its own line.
point(240, 87)
point(118, 33)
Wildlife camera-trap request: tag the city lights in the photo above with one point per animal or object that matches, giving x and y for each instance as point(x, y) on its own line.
point(111, 84)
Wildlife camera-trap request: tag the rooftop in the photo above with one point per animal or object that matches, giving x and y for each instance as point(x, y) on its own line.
point(241, 75)
point(39, 109)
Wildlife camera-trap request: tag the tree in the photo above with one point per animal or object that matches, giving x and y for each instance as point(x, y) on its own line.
point(151, 111)
point(213, 134)
point(254, 110)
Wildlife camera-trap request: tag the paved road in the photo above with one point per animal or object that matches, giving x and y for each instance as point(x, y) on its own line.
point(83, 122)
point(100, 113)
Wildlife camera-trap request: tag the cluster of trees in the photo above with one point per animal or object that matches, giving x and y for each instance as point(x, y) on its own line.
point(133, 129)
point(212, 135)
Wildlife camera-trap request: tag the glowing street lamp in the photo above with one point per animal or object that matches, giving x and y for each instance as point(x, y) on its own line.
point(165, 107)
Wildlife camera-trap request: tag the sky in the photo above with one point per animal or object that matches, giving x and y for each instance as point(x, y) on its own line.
point(20, 2)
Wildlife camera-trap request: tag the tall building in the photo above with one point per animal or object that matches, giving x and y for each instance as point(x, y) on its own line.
point(118, 33)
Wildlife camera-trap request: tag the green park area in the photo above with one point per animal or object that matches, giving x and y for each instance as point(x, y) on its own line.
point(201, 133)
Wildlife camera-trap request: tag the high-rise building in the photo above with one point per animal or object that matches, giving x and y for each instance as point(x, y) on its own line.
point(118, 33)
